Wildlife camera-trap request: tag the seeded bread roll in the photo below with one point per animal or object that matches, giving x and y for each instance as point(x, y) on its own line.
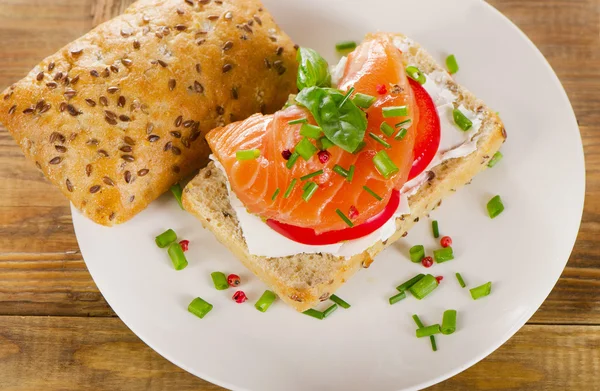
point(118, 116)
point(303, 280)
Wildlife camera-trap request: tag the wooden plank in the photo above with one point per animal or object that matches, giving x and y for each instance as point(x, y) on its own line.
point(30, 208)
point(29, 32)
point(543, 358)
point(59, 285)
point(48, 277)
point(98, 354)
point(568, 34)
point(103, 10)
point(66, 353)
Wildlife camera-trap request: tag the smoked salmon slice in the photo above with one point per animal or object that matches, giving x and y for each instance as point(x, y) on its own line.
point(264, 184)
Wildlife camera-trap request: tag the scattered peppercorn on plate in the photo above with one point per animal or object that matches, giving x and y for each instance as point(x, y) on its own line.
point(314, 250)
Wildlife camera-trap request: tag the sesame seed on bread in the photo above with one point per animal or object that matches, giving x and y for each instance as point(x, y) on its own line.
point(304, 280)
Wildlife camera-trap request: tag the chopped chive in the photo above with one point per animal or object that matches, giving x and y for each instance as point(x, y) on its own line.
point(377, 197)
point(395, 111)
point(452, 64)
point(417, 253)
point(360, 147)
point(386, 129)
point(265, 301)
point(460, 280)
point(292, 160)
point(166, 238)
point(343, 217)
point(199, 307)
point(396, 298)
point(309, 191)
point(325, 143)
point(443, 255)
point(415, 74)
point(247, 154)
point(424, 286)
point(310, 131)
point(495, 159)
point(418, 321)
point(401, 134)
point(379, 140)
point(289, 189)
point(330, 310)
point(384, 165)
point(177, 192)
point(431, 337)
point(275, 194)
point(461, 120)
point(481, 291)
point(314, 313)
point(346, 97)
point(433, 344)
point(363, 101)
point(495, 207)
point(345, 46)
point(449, 322)
point(428, 331)
point(177, 256)
point(306, 185)
point(297, 121)
point(337, 300)
point(351, 173)
point(311, 175)
point(403, 124)
point(435, 228)
point(407, 284)
point(340, 171)
point(219, 280)
point(305, 148)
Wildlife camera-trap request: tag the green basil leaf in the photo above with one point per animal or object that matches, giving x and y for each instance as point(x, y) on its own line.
point(344, 126)
point(313, 70)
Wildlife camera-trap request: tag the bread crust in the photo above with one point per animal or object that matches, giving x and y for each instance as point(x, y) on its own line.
point(119, 115)
point(305, 279)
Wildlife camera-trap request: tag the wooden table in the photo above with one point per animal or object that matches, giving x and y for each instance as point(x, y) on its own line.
point(58, 333)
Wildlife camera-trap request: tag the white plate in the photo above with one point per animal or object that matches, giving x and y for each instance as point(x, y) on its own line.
point(372, 345)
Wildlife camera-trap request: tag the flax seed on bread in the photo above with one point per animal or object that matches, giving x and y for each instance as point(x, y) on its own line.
point(305, 279)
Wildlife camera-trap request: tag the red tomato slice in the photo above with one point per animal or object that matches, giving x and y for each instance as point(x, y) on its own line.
point(429, 132)
point(308, 235)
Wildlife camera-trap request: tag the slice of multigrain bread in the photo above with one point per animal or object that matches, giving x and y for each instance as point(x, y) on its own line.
point(305, 279)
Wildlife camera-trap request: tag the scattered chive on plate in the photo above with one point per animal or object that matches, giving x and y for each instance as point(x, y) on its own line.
point(452, 64)
point(337, 300)
point(443, 255)
point(345, 47)
point(481, 291)
point(177, 193)
point(200, 307)
point(460, 280)
point(424, 287)
point(265, 301)
point(495, 207)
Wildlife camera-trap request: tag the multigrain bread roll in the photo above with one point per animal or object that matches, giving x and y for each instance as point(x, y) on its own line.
point(118, 116)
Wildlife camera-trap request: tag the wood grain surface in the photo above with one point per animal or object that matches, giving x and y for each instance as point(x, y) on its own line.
point(58, 333)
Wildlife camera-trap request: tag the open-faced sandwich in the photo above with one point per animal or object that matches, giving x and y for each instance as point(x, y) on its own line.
point(307, 196)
